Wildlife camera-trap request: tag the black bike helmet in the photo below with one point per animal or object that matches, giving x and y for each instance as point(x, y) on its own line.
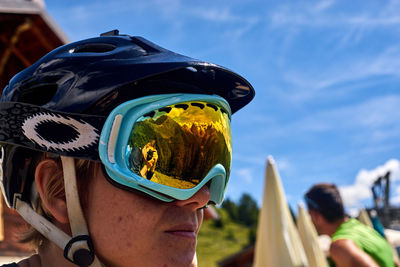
point(86, 80)
point(60, 103)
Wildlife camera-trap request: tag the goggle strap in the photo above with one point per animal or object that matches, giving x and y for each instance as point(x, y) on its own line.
point(20, 123)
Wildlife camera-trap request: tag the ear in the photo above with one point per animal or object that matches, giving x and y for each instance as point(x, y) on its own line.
point(315, 216)
point(45, 173)
point(312, 212)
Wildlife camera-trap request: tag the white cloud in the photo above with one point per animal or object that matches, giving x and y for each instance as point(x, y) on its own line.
point(283, 164)
point(259, 160)
point(353, 212)
point(375, 118)
point(245, 26)
point(309, 83)
point(314, 15)
point(346, 30)
point(323, 5)
point(215, 14)
point(245, 174)
point(354, 194)
point(396, 198)
point(168, 8)
point(370, 124)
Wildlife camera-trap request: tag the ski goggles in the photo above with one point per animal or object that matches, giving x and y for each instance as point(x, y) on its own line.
point(169, 146)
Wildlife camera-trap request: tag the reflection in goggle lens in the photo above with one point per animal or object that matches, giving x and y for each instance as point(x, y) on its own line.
point(178, 145)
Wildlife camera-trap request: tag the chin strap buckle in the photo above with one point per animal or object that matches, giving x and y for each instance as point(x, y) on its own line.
point(80, 251)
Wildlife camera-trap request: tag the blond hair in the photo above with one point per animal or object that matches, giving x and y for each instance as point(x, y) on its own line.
point(85, 170)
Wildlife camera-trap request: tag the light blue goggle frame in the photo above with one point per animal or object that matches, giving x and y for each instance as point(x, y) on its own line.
point(114, 140)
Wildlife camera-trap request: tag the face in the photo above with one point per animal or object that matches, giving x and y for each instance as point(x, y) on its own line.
point(315, 218)
point(129, 229)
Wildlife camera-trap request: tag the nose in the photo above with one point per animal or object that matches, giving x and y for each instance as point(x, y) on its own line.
point(198, 200)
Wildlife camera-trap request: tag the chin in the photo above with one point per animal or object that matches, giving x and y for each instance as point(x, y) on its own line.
point(188, 260)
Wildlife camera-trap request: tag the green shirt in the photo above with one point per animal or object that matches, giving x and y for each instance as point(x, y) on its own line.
point(367, 239)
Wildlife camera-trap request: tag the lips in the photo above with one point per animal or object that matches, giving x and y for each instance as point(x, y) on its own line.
point(185, 230)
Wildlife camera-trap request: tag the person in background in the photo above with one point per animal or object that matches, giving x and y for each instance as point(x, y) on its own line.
point(352, 243)
point(111, 148)
point(376, 223)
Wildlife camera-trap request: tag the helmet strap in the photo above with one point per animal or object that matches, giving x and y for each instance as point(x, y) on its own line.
point(79, 248)
point(41, 224)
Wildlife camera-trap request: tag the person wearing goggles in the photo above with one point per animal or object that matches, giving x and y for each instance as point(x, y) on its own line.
point(112, 146)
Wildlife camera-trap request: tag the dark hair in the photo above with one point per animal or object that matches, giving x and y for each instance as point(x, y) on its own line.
point(325, 198)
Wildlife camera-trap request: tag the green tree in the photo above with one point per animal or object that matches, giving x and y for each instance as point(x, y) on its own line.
point(247, 210)
point(252, 235)
point(231, 209)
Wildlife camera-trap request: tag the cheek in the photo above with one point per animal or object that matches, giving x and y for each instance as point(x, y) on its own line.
point(115, 211)
point(129, 229)
point(117, 218)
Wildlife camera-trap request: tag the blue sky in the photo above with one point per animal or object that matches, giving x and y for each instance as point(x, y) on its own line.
point(326, 75)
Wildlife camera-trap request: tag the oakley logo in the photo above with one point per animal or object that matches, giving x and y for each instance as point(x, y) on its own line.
point(59, 133)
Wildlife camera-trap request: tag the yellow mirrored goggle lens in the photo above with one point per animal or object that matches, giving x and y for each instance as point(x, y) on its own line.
point(179, 144)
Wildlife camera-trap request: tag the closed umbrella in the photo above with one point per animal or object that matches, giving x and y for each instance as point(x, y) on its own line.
point(278, 242)
point(364, 218)
point(309, 238)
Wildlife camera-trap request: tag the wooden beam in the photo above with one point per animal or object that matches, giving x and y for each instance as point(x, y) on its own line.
point(42, 38)
point(11, 46)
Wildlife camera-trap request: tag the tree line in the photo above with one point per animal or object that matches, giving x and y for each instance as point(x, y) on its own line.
point(244, 212)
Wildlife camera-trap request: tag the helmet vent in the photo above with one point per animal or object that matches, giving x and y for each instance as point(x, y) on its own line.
point(38, 94)
point(94, 48)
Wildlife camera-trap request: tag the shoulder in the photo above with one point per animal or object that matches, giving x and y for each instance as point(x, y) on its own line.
point(342, 246)
point(345, 252)
point(32, 261)
point(350, 229)
point(10, 265)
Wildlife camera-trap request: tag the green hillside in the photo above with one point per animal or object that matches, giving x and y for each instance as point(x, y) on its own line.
point(218, 241)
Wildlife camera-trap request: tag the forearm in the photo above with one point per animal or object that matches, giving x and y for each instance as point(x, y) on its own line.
point(346, 254)
point(357, 263)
